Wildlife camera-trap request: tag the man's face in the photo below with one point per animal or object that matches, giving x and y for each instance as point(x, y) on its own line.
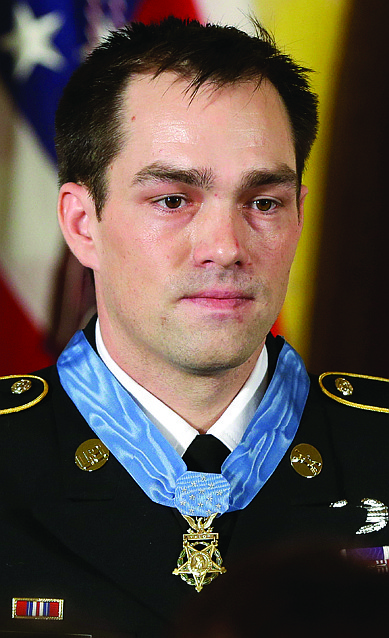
point(200, 227)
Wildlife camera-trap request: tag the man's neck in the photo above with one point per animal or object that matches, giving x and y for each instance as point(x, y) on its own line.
point(202, 400)
point(199, 399)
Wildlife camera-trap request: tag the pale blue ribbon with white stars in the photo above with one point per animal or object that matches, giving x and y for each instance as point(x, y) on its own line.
point(153, 463)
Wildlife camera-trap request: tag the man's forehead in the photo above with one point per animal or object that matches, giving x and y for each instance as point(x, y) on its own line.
point(164, 122)
point(170, 85)
point(167, 100)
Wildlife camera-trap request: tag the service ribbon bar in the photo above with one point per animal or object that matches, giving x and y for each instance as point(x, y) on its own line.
point(37, 608)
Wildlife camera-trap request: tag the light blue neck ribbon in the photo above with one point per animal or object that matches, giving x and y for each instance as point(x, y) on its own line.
point(153, 463)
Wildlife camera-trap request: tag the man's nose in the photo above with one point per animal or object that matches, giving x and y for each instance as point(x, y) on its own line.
point(220, 238)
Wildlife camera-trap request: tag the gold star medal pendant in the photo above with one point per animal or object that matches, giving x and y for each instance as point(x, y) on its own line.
point(200, 497)
point(200, 561)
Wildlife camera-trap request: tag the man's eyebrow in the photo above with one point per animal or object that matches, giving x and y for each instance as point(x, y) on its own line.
point(205, 178)
point(157, 172)
point(282, 175)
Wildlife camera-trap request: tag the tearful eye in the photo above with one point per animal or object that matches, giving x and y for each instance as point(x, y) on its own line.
point(264, 204)
point(172, 201)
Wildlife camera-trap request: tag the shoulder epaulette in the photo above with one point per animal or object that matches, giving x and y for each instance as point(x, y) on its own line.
point(19, 392)
point(356, 390)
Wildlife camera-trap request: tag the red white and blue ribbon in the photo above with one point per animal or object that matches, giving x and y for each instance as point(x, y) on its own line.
point(47, 609)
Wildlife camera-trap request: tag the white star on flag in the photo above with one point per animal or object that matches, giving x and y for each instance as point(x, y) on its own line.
point(30, 41)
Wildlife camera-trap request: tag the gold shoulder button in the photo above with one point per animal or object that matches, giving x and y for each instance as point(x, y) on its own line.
point(356, 390)
point(19, 392)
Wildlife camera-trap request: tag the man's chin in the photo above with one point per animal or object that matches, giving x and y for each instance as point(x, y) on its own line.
point(211, 363)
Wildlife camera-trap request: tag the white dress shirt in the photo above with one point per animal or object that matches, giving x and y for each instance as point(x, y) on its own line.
point(230, 426)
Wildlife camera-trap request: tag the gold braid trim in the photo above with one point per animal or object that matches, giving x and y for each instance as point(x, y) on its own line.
point(352, 404)
point(19, 408)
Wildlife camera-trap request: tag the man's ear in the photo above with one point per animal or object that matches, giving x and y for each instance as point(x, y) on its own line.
point(77, 219)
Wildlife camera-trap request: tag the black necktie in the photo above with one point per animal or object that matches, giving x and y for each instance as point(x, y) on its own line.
point(205, 454)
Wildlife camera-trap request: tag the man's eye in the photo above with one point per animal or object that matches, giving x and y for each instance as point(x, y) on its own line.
point(265, 205)
point(172, 201)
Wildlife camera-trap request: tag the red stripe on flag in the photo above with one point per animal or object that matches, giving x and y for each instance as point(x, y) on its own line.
point(22, 346)
point(150, 10)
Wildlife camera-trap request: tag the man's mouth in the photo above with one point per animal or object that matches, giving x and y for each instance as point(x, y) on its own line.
point(219, 298)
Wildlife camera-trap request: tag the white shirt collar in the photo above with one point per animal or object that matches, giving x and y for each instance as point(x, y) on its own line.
point(229, 428)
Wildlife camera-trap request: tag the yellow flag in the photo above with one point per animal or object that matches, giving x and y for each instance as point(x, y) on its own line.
point(312, 32)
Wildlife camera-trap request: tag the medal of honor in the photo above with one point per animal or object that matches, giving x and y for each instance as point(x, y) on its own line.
point(200, 561)
point(124, 429)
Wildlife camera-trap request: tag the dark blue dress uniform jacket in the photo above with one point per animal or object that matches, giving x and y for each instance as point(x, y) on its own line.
point(97, 542)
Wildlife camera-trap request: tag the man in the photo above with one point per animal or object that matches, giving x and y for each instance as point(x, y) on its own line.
point(181, 150)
